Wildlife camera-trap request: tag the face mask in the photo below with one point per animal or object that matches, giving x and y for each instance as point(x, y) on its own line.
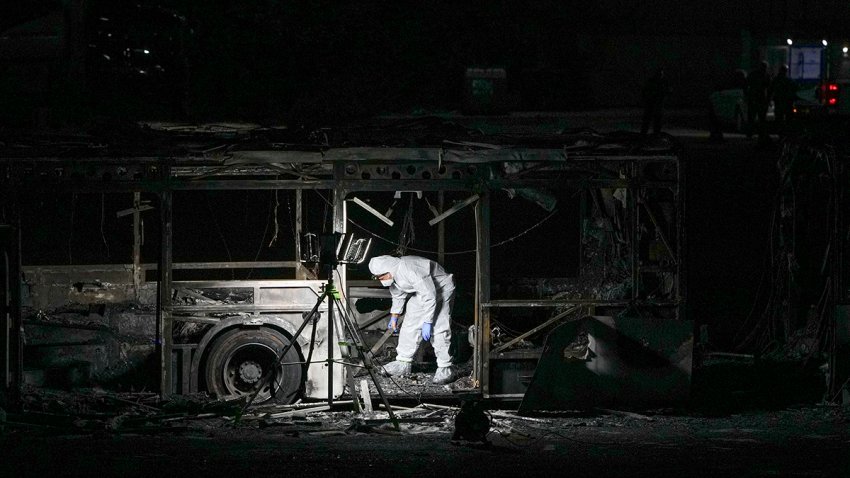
point(387, 282)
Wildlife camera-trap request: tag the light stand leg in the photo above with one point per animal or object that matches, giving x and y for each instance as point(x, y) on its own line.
point(366, 356)
point(329, 291)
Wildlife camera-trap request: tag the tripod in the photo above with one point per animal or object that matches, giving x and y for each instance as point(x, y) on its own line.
point(329, 292)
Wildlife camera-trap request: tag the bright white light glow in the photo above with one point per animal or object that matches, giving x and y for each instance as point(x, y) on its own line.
point(789, 41)
point(824, 42)
point(148, 51)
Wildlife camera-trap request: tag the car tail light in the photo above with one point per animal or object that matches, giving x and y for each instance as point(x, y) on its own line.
point(829, 94)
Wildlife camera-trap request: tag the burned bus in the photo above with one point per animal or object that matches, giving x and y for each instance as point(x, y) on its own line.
point(169, 257)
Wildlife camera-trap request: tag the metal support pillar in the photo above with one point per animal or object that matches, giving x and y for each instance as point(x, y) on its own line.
point(11, 324)
point(163, 311)
point(138, 273)
point(441, 229)
point(482, 292)
point(331, 345)
point(340, 220)
point(299, 220)
point(838, 382)
point(681, 244)
point(633, 201)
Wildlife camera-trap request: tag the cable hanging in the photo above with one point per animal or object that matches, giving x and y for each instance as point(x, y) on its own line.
point(774, 323)
point(218, 229)
point(276, 225)
point(102, 220)
point(263, 239)
point(407, 236)
point(71, 229)
point(453, 253)
point(468, 251)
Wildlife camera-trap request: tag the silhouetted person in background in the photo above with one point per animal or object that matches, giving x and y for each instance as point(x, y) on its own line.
point(738, 80)
point(783, 91)
point(757, 96)
point(654, 91)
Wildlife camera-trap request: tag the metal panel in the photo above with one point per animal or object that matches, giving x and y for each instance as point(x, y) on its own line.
point(182, 368)
point(602, 361)
point(511, 373)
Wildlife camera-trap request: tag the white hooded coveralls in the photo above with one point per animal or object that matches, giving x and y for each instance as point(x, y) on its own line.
point(430, 290)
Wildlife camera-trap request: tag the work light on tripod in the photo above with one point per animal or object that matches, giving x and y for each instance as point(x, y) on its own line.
point(333, 249)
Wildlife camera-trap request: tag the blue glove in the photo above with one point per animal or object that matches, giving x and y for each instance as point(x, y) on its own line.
point(393, 323)
point(426, 331)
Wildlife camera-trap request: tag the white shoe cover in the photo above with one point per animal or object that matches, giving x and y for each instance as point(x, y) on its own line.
point(444, 375)
point(397, 368)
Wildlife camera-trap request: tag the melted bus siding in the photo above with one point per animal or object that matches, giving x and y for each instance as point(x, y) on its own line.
point(584, 225)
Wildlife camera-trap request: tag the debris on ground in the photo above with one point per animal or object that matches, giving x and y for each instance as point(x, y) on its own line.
point(419, 385)
point(49, 412)
point(95, 410)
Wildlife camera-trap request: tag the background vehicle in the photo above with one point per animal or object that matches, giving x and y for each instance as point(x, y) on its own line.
point(728, 105)
point(830, 97)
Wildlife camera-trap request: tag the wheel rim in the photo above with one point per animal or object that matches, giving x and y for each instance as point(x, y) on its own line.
point(244, 367)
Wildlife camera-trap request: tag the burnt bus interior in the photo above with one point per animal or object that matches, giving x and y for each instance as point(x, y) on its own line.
point(169, 259)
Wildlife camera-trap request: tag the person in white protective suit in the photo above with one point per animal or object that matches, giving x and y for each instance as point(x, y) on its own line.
point(429, 291)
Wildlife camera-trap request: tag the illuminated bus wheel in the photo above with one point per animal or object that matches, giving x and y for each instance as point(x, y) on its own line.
point(239, 360)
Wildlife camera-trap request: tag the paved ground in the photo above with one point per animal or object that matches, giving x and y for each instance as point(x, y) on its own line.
point(813, 441)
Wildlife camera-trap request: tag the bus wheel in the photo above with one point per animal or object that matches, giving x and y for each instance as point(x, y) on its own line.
point(240, 358)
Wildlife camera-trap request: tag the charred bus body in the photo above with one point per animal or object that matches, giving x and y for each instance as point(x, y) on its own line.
point(176, 253)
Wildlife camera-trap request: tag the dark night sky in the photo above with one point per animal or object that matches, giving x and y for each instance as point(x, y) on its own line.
point(817, 17)
point(260, 60)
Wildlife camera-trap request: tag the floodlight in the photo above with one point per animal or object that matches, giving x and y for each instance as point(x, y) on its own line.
point(333, 249)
